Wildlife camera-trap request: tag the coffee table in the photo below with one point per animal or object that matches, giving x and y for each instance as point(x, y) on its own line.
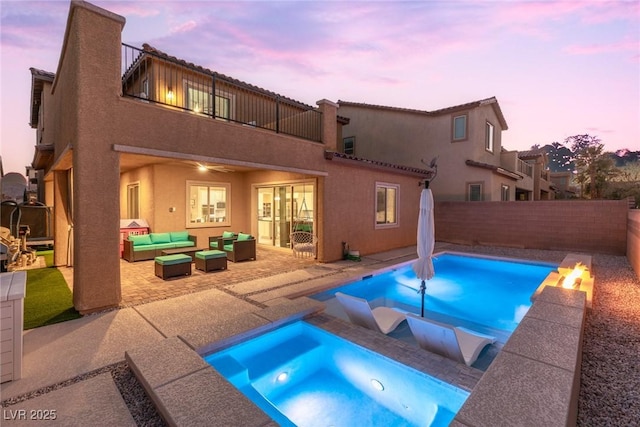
point(187, 251)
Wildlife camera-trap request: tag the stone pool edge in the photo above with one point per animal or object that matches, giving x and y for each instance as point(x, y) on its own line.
point(535, 379)
point(186, 390)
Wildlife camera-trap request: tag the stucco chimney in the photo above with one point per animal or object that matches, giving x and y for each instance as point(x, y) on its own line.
point(329, 124)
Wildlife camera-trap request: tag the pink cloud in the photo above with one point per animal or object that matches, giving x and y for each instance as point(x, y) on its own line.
point(129, 8)
point(185, 27)
point(598, 48)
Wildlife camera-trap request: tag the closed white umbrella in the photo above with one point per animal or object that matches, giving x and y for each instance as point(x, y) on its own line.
point(426, 241)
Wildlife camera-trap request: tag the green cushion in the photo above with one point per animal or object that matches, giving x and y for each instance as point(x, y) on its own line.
point(214, 245)
point(140, 239)
point(186, 244)
point(242, 236)
point(161, 246)
point(179, 236)
point(160, 237)
point(210, 254)
point(227, 234)
point(173, 259)
point(228, 248)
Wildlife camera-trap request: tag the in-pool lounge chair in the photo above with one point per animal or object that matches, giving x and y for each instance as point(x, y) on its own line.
point(381, 319)
point(459, 344)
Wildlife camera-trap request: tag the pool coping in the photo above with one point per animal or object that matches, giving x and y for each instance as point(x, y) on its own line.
point(542, 361)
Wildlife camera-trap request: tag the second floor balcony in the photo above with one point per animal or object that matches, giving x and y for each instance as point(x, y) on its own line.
point(152, 76)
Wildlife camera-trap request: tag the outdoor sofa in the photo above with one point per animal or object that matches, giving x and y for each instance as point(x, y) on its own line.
point(148, 246)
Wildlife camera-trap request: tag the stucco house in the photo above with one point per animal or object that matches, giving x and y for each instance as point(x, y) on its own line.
point(466, 139)
point(125, 132)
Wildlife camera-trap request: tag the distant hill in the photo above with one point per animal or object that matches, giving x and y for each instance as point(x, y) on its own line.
point(560, 157)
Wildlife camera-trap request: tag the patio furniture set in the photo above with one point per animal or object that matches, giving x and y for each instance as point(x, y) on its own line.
point(174, 252)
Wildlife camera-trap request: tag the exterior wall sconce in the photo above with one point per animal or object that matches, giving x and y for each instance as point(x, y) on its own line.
point(169, 94)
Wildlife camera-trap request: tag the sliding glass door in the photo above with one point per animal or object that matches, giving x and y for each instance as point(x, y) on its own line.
point(283, 209)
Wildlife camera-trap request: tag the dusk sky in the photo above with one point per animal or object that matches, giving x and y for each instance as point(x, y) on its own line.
point(557, 68)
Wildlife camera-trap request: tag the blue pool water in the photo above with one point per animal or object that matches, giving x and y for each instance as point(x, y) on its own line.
point(485, 294)
point(302, 375)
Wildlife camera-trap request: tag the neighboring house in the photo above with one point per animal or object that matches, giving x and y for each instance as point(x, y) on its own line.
point(135, 133)
point(562, 184)
point(543, 188)
point(466, 139)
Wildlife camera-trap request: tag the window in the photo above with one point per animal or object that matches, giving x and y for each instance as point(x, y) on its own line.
point(474, 192)
point(133, 200)
point(223, 107)
point(460, 127)
point(199, 101)
point(488, 138)
point(349, 145)
point(504, 193)
point(386, 205)
point(208, 204)
point(145, 88)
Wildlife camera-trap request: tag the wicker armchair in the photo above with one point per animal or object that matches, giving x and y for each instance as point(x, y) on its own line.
point(303, 244)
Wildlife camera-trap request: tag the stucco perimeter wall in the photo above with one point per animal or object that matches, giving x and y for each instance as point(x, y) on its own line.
point(588, 226)
point(633, 239)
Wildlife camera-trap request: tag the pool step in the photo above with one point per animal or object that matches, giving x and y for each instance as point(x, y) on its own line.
point(283, 354)
point(233, 370)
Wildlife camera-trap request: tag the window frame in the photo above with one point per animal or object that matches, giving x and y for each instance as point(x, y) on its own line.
point(133, 206)
point(504, 192)
point(469, 192)
point(214, 104)
point(466, 127)
point(352, 141)
point(194, 203)
point(387, 186)
point(489, 137)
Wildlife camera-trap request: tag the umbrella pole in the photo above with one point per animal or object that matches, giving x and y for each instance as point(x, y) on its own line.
point(423, 288)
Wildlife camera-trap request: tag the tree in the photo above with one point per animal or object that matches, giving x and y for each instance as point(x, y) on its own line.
point(593, 166)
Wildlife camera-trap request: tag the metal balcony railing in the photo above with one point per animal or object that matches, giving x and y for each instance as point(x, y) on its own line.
point(152, 76)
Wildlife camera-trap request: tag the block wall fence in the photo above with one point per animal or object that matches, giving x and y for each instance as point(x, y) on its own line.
point(633, 240)
point(597, 226)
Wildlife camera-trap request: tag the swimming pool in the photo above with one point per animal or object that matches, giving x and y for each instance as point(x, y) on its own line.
point(302, 375)
point(488, 295)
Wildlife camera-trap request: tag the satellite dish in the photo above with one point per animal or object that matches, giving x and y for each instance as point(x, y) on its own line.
point(13, 186)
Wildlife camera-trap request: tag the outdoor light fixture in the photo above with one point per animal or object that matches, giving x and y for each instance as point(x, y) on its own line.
point(377, 384)
point(202, 168)
point(282, 377)
point(169, 94)
point(196, 108)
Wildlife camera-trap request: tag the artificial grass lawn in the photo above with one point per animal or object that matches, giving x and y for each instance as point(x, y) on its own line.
point(48, 257)
point(48, 299)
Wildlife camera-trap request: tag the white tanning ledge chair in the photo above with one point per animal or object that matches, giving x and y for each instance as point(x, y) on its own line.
point(460, 344)
point(381, 319)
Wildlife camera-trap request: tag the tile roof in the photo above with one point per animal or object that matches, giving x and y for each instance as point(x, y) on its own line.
point(331, 155)
point(156, 52)
point(530, 154)
point(448, 110)
point(497, 169)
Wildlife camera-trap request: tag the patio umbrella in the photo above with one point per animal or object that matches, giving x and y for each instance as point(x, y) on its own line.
point(423, 267)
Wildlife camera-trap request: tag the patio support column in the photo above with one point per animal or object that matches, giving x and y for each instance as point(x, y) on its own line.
point(91, 61)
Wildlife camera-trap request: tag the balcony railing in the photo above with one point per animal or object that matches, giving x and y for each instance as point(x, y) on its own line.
point(525, 168)
point(154, 77)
